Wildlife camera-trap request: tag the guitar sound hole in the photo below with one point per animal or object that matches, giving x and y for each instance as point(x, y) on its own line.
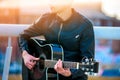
point(41, 63)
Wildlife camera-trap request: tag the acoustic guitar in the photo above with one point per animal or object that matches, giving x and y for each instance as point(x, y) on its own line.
point(49, 54)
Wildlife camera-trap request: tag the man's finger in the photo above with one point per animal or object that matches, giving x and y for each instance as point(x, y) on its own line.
point(29, 66)
point(32, 63)
point(60, 64)
point(34, 58)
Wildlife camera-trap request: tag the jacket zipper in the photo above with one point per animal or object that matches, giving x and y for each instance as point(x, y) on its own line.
point(61, 25)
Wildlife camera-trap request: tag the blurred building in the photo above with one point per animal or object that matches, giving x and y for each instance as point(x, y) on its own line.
point(94, 12)
point(8, 14)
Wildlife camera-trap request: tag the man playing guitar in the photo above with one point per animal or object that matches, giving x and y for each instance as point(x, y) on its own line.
point(66, 27)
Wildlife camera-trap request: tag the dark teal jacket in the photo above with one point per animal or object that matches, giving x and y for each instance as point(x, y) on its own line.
point(76, 36)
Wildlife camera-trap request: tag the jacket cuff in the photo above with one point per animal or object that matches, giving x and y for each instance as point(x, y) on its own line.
point(25, 49)
point(69, 78)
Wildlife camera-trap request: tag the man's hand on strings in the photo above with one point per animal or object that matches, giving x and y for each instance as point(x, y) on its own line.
point(63, 71)
point(29, 60)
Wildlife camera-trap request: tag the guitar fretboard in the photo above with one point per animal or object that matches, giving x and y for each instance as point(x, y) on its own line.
point(51, 63)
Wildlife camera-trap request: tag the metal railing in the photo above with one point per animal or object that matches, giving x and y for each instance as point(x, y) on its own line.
point(10, 30)
point(101, 32)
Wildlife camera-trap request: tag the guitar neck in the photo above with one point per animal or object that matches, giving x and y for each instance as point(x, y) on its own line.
point(87, 67)
point(66, 64)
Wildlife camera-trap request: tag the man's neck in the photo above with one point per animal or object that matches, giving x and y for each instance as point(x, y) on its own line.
point(65, 14)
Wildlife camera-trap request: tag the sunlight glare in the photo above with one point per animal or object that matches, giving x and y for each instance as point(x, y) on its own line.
point(87, 0)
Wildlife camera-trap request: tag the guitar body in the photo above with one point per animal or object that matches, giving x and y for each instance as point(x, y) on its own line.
point(41, 49)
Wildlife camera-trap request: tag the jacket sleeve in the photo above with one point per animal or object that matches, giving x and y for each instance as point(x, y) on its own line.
point(34, 30)
point(87, 42)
